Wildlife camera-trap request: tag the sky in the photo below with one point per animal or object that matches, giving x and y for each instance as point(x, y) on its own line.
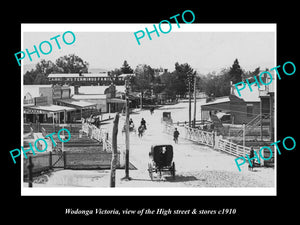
point(204, 51)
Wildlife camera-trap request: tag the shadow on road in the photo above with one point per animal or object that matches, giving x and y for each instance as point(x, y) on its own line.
point(137, 179)
point(181, 178)
point(169, 179)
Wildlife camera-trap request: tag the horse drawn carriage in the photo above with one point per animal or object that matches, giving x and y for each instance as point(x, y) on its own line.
point(166, 117)
point(161, 160)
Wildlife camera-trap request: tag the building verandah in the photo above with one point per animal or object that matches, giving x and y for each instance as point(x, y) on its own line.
point(48, 114)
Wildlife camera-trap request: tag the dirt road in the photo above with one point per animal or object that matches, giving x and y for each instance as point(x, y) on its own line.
point(196, 165)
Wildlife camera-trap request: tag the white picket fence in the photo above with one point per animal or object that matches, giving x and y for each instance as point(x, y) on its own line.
point(199, 136)
point(99, 134)
point(232, 148)
point(193, 134)
point(209, 139)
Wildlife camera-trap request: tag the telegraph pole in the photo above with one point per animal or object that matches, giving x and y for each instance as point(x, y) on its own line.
point(189, 78)
point(126, 132)
point(114, 152)
point(195, 100)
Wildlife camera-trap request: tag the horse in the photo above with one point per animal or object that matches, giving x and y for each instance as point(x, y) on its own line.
point(131, 128)
point(141, 130)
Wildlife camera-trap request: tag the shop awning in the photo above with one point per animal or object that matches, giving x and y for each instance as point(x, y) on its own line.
point(76, 103)
point(43, 109)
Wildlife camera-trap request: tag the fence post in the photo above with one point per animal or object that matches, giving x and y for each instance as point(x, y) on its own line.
point(30, 166)
point(244, 134)
point(113, 166)
point(50, 160)
point(213, 139)
point(65, 159)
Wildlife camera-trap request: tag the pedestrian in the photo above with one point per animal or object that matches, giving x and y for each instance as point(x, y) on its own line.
point(175, 135)
point(251, 156)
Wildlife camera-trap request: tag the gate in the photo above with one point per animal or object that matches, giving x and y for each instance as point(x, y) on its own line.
point(199, 136)
point(57, 159)
point(192, 134)
point(212, 140)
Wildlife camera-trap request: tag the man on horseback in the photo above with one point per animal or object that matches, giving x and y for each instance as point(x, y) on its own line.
point(141, 130)
point(131, 124)
point(143, 123)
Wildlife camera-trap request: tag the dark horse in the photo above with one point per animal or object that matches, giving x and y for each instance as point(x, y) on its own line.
point(141, 130)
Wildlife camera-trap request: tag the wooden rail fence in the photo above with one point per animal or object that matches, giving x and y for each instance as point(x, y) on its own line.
point(209, 139)
point(101, 135)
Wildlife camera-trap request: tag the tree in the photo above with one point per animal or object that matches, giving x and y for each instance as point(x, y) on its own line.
point(113, 76)
point(30, 76)
point(47, 67)
point(158, 86)
point(169, 82)
point(217, 85)
point(72, 64)
point(251, 74)
point(126, 68)
point(41, 79)
point(40, 73)
point(183, 75)
point(143, 80)
point(65, 64)
point(235, 72)
point(116, 72)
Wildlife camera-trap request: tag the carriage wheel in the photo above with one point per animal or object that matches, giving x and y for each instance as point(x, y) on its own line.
point(150, 169)
point(173, 170)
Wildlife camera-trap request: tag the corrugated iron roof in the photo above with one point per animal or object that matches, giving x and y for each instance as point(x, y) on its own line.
point(51, 108)
point(76, 103)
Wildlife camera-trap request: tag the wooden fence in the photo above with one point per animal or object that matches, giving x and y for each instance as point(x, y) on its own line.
point(235, 149)
point(193, 134)
point(210, 139)
point(199, 136)
point(46, 161)
point(101, 135)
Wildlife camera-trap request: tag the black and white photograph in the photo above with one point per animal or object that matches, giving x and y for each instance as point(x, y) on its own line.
point(189, 112)
point(151, 112)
